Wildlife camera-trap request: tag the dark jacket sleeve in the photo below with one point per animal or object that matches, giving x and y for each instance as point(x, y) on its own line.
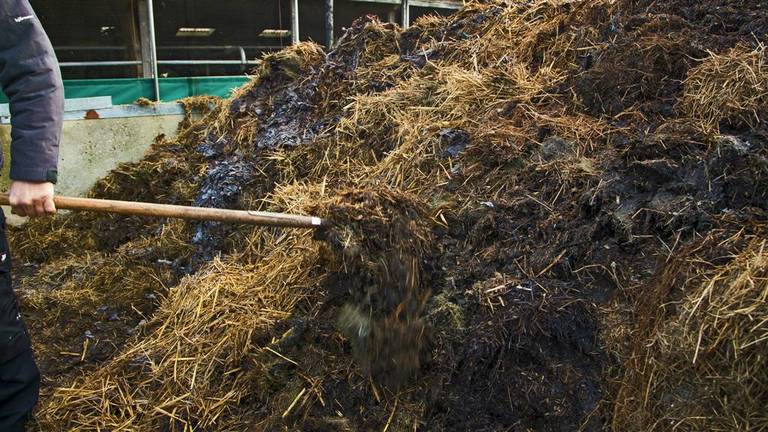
point(30, 77)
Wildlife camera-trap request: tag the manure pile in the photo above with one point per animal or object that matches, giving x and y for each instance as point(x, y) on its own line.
point(549, 215)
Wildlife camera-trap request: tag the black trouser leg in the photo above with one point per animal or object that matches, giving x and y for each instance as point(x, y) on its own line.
point(19, 377)
point(19, 386)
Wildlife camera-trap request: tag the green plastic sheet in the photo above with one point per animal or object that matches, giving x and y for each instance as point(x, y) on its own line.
point(127, 90)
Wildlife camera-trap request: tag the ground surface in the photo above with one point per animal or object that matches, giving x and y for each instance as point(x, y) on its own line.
point(538, 209)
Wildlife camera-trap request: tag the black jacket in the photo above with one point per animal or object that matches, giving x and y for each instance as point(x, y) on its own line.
point(30, 77)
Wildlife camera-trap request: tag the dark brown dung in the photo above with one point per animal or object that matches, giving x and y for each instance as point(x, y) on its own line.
point(548, 215)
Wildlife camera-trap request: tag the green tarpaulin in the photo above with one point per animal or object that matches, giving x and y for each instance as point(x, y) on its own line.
point(127, 90)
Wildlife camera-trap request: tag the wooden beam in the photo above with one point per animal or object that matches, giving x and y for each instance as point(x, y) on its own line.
point(129, 22)
point(147, 53)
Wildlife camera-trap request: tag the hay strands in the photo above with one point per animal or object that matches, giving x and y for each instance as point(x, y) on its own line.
point(184, 212)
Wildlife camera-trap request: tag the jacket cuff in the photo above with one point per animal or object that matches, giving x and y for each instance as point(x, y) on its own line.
point(34, 174)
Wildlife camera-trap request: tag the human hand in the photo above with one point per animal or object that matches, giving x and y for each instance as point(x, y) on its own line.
point(31, 198)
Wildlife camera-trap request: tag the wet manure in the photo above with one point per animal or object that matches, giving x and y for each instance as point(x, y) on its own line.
point(547, 215)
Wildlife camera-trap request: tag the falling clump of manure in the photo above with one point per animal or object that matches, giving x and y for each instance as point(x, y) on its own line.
point(545, 215)
point(383, 240)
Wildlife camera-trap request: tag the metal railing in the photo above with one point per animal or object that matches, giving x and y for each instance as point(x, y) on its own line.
point(243, 61)
point(160, 62)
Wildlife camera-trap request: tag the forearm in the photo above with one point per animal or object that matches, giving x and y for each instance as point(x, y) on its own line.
point(30, 77)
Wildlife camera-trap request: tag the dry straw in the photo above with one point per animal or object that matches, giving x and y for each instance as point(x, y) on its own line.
point(703, 364)
point(192, 366)
point(221, 350)
point(185, 369)
point(728, 89)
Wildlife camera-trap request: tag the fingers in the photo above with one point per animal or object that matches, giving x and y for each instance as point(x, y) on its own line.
point(49, 206)
point(17, 210)
point(23, 207)
point(29, 210)
point(36, 208)
point(39, 206)
point(31, 199)
point(16, 207)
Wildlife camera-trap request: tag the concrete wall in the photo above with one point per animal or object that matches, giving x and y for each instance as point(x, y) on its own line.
point(91, 148)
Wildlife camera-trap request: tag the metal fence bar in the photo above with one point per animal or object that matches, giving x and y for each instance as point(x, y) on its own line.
point(167, 47)
point(153, 43)
point(161, 62)
point(295, 22)
point(100, 63)
point(329, 24)
point(207, 62)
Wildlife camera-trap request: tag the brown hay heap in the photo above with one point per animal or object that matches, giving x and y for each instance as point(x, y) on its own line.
point(703, 364)
point(546, 218)
point(730, 88)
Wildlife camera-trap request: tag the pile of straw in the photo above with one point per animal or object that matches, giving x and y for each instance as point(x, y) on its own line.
point(728, 89)
point(518, 204)
point(702, 364)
